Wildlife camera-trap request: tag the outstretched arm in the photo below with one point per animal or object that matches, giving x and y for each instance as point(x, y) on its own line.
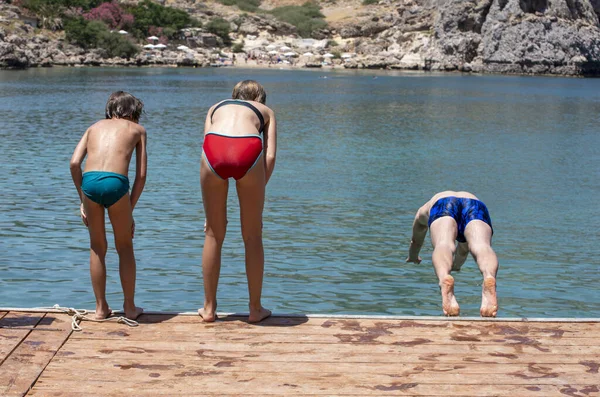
point(78, 156)
point(141, 162)
point(418, 235)
point(270, 146)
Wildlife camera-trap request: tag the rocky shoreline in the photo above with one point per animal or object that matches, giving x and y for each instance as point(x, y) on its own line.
point(561, 37)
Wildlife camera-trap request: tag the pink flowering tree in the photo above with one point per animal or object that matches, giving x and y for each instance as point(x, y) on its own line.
point(112, 15)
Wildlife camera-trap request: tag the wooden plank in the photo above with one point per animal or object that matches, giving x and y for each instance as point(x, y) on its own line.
point(9, 340)
point(165, 334)
point(22, 368)
point(335, 358)
point(393, 390)
point(162, 380)
point(2, 314)
point(373, 328)
point(103, 345)
point(273, 322)
point(140, 368)
point(16, 319)
point(199, 363)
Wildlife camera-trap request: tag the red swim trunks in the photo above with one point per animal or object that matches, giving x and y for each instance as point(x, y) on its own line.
point(231, 156)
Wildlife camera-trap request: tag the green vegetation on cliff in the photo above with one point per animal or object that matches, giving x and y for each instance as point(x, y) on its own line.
point(148, 15)
point(307, 18)
point(221, 28)
point(95, 34)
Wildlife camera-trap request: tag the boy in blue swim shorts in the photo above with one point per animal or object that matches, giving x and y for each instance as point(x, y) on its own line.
point(457, 217)
point(109, 145)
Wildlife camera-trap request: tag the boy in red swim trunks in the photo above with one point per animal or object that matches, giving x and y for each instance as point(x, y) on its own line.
point(109, 145)
point(457, 216)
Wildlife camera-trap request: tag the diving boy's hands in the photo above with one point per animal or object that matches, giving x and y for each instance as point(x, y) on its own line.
point(416, 260)
point(83, 215)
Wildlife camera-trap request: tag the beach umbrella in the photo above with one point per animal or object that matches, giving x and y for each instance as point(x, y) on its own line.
point(149, 46)
point(122, 32)
point(328, 55)
point(270, 47)
point(347, 55)
point(290, 54)
point(285, 48)
point(183, 48)
point(273, 52)
point(152, 38)
point(160, 46)
point(308, 54)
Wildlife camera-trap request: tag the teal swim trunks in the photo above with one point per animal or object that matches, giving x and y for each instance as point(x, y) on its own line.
point(104, 188)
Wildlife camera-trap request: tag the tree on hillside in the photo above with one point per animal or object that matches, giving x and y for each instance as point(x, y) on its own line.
point(221, 28)
point(95, 34)
point(148, 14)
point(112, 15)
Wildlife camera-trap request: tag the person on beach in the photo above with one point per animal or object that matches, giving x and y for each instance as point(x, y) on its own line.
point(240, 142)
point(108, 145)
point(457, 216)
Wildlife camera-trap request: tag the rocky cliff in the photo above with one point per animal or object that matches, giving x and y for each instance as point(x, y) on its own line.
point(498, 36)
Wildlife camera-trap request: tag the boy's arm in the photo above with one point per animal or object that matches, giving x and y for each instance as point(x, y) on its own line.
point(270, 146)
point(75, 164)
point(141, 163)
point(78, 156)
point(418, 234)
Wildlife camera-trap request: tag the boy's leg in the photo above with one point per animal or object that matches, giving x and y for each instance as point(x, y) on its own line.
point(443, 233)
point(479, 237)
point(251, 194)
point(95, 217)
point(122, 222)
point(214, 199)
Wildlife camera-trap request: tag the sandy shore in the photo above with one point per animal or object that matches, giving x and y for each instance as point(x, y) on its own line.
point(252, 64)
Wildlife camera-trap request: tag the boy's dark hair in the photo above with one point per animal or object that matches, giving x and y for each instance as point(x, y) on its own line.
point(123, 105)
point(249, 90)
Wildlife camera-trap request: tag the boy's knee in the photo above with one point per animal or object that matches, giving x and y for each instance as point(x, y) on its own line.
point(481, 249)
point(446, 246)
point(217, 235)
point(124, 246)
point(252, 237)
point(99, 247)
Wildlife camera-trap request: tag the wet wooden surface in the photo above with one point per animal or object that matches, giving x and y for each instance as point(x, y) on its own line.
point(170, 355)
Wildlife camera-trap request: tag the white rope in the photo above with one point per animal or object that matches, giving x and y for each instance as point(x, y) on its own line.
point(82, 314)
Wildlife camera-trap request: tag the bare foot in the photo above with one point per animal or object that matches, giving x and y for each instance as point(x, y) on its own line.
point(102, 311)
point(489, 301)
point(258, 315)
point(207, 316)
point(133, 313)
point(449, 303)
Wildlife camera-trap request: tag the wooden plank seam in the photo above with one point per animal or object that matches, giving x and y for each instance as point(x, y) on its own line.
point(20, 342)
point(49, 361)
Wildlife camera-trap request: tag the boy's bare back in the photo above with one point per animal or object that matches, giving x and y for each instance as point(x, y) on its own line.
point(110, 145)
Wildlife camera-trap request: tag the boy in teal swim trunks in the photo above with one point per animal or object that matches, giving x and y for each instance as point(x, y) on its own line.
point(109, 145)
point(457, 216)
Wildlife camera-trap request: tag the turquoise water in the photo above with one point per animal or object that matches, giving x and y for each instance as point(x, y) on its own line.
point(357, 156)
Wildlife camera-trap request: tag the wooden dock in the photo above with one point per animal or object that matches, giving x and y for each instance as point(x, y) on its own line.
point(169, 354)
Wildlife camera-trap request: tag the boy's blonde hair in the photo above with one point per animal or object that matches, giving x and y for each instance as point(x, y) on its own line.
point(249, 90)
point(123, 105)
